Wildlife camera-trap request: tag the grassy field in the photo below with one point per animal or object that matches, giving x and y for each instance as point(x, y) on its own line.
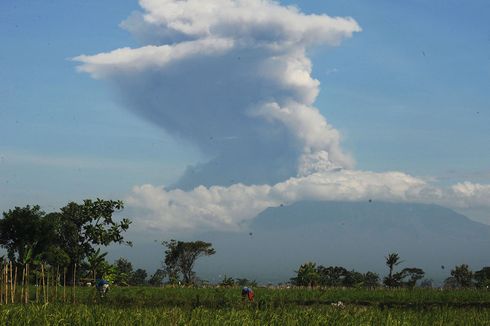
point(220, 306)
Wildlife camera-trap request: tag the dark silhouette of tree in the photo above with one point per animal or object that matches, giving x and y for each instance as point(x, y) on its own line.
point(227, 281)
point(181, 256)
point(414, 274)
point(482, 277)
point(392, 280)
point(157, 278)
point(306, 275)
point(245, 282)
point(332, 275)
point(138, 277)
point(463, 275)
point(21, 231)
point(371, 280)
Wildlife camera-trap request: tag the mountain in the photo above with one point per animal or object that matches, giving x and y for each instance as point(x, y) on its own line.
point(356, 235)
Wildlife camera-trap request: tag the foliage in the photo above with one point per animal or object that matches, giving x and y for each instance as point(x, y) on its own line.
point(95, 263)
point(393, 279)
point(482, 277)
point(462, 275)
point(124, 271)
point(413, 274)
point(306, 275)
point(181, 256)
point(227, 281)
point(157, 278)
point(21, 231)
point(211, 306)
point(138, 277)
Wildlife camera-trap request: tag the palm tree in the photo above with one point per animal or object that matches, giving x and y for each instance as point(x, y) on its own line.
point(393, 259)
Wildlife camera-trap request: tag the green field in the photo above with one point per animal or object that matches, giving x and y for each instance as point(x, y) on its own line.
point(220, 306)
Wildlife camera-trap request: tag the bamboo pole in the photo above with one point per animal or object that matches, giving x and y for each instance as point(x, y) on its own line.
point(37, 287)
point(6, 279)
point(47, 284)
point(11, 283)
point(15, 283)
point(43, 282)
point(1, 287)
point(74, 282)
point(27, 284)
point(64, 284)
point(57, 281)
point(22, 287)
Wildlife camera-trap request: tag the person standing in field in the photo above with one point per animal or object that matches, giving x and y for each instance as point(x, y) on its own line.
point(247, 293)
point(102, 287)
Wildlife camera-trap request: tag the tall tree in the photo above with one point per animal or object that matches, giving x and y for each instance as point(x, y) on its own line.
point(84, 226)
point(392, 260)
point(181, 256)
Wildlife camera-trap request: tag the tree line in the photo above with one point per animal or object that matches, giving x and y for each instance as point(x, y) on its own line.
point(71, 238)
point(309, 274)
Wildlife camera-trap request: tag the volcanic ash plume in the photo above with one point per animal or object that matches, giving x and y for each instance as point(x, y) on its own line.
point(233, 78)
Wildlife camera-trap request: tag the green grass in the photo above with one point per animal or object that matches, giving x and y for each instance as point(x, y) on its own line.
point(220, 306)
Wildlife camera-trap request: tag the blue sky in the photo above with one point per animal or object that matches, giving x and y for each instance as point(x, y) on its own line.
point(409, 93)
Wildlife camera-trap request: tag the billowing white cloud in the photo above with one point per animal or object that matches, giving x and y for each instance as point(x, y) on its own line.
point(467, 194)
point(219, 207)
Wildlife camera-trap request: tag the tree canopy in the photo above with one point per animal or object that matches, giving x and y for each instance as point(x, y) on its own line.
point(180, 257)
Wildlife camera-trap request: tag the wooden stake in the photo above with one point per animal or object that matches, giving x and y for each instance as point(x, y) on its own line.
point(27, 284)
point(15, 283)
point(22, 287)
point(74, 282)
point(64, 284)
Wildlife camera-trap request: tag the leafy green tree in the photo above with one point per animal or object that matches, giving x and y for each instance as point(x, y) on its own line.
point(124, 271)
point(371, 280)
point(482, 277)
point(21, 231)
point(332, 275)
point(138, 277)
point(414, 274)
point(353, 279)
point(393, 280)
point(462, 275)
point(81, 227)
point(306, 275)
point(181, 256)
point(157, 278)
